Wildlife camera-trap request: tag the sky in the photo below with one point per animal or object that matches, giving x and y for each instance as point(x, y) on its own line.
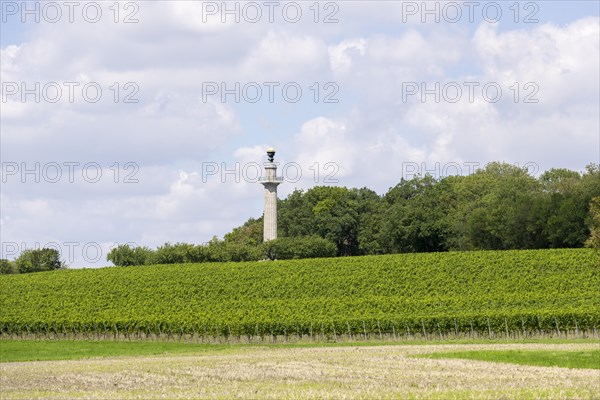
point(146, 122)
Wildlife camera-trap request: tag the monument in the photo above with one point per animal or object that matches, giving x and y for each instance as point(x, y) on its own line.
point(270, 181)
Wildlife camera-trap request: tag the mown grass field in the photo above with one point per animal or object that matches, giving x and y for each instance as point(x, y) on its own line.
point(324, 371)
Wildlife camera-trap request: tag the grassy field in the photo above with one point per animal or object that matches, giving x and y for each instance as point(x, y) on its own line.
point(543, 358)
point(42, 350)
point(325, 371)
point(47, 350)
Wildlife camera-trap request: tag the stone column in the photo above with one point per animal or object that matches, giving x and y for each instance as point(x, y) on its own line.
point(270, 181)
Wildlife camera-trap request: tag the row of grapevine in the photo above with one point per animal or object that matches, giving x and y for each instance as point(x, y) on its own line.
point(410, 326)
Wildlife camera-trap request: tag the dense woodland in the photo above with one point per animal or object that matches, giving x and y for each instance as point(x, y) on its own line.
point(499, 207)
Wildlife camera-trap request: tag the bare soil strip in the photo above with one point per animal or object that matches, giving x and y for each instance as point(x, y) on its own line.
point(321, 372)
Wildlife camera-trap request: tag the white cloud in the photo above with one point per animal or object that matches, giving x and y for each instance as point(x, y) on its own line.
point(281, 56)
point(323, 140)
point(340, 56)
point(559, 60)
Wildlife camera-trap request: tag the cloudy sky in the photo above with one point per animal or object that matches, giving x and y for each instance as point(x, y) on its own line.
point(147, 121)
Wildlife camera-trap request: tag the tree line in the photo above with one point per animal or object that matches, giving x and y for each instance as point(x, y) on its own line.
point(33, 260)
point(223, 251)
point(499, 207)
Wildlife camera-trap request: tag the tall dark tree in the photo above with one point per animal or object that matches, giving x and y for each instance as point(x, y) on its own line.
point(569, 195)
point(493, 209)
point(594, 240)
point(415, 216)
point(330, 212)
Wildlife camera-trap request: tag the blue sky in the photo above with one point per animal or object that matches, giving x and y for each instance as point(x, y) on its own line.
point(175, 160)
point(14, 31)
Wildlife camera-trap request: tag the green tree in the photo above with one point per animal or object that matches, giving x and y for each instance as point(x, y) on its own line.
point(415, 217)
point(286, 248)
point(295, 216)
point(494, 209)
point(313, 247)
point(372, 217)
point(8, 267)
point(177, 253)
point(251, 233)
point(125, 255)
point(38, 260)
point(278, 249)
point(332, 213)
point(215, 251)
point(594, 240)
point(242, 252)
point(569, 195)
point(227, 250)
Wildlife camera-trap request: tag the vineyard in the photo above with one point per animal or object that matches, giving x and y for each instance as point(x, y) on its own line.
point(483, 293)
